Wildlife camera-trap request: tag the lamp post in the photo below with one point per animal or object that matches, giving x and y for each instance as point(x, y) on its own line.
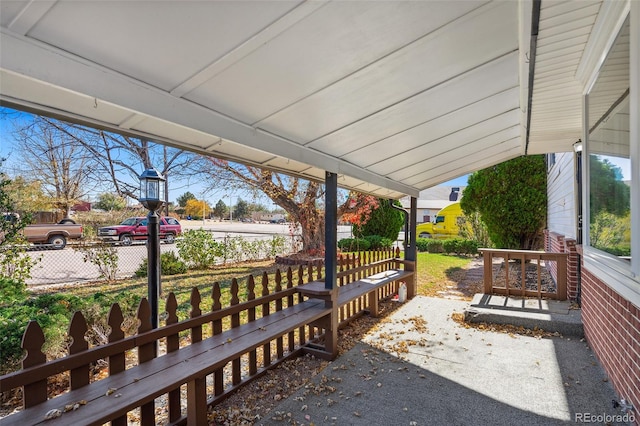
point(152, 197)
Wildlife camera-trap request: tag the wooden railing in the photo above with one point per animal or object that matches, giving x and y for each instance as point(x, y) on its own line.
point(517, 264)
point(121, 353)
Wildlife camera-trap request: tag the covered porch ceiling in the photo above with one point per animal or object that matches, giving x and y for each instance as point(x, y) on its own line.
point(393, 96)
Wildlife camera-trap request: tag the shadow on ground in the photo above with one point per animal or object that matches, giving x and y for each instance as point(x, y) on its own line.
point(420, 367)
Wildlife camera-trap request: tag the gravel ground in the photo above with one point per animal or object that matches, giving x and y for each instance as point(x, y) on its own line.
point(531, 274)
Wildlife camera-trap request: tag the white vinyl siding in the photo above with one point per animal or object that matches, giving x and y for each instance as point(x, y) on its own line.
point(561, 201)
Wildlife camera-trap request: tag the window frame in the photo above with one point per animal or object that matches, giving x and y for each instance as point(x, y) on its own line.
point(622, 276)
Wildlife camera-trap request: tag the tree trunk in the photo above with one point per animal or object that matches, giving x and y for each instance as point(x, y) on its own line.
point(313, 237)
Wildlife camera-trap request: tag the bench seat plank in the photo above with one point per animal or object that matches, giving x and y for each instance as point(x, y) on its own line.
point(355, 289)
point(145, 382)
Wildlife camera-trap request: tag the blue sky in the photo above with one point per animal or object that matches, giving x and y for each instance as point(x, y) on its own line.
point(461, 181)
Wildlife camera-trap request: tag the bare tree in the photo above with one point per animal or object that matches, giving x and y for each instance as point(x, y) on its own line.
point(119, 159)
point(57, 160)
point(301, 199)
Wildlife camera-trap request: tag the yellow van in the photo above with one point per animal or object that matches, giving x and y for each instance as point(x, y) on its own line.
point(445, 225)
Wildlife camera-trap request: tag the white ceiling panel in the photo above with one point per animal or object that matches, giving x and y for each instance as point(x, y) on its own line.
point(340, 38)
point(402, 74)
point(462, 137)
point(490, 142)
point(471, 87)
point(441, 127)
point(393, 96)
point(478, 161)
point(161, 45)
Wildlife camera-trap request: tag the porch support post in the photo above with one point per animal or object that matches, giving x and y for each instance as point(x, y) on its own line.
point(330, 230)
point(410, 251)
point(330, 259)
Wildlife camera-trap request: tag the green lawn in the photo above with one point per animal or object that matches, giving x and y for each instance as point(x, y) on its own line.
point(438, 271)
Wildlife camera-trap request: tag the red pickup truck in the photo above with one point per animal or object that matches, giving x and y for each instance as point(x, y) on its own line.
point(135, 228)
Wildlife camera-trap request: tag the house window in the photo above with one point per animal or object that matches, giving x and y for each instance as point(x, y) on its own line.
point(551, 161)
point(609, 153)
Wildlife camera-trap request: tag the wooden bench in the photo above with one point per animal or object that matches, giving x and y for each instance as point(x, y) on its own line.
point(234, 344)
point(364, 287)
point(112, 397)
point(353, 284)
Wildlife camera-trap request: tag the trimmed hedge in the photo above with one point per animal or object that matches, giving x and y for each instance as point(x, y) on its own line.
point(455, 245)
point(353, 244)
point(378, 242)
point(460, 246)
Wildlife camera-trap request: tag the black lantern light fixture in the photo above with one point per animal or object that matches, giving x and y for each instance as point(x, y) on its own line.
point(152, 197)
point(152, 189)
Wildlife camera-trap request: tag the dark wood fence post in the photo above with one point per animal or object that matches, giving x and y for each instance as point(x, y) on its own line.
point(236, 373)
point(117, 361)
point(266, 310)
point(251, 295)
point(146, 353)
point(32, 341)
point(290, 301)
point(278, 289)
point(302, 331)
point(216, 327)
point(488, 271)
point(173, 344)
point(196, 388)
point(77, 331)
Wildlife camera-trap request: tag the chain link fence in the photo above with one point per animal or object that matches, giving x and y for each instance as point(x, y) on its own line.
point(73, 263)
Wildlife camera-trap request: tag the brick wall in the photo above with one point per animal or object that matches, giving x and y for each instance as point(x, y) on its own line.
point(611, 323)
point(612, 328)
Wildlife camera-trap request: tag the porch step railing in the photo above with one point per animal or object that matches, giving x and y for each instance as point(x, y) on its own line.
point(524, 274)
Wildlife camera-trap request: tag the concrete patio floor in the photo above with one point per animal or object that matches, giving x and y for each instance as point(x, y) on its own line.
point(420, 367)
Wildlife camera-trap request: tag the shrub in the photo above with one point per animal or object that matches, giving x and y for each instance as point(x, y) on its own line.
point(378, 242)
point(250, 249)
point(103, 255)
point(52, 312)
point(460, 246)
point(276, 245)
point(170, 264)
point(430, 245)
point(15, 262)
point(353, 244)
point(434, 246)
point(384, 221)
point(422, 244)
point(11, 291)
point(511, 198)
point(451, 246)
point(470, 246)
point(232, 249)
point(199, 249)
